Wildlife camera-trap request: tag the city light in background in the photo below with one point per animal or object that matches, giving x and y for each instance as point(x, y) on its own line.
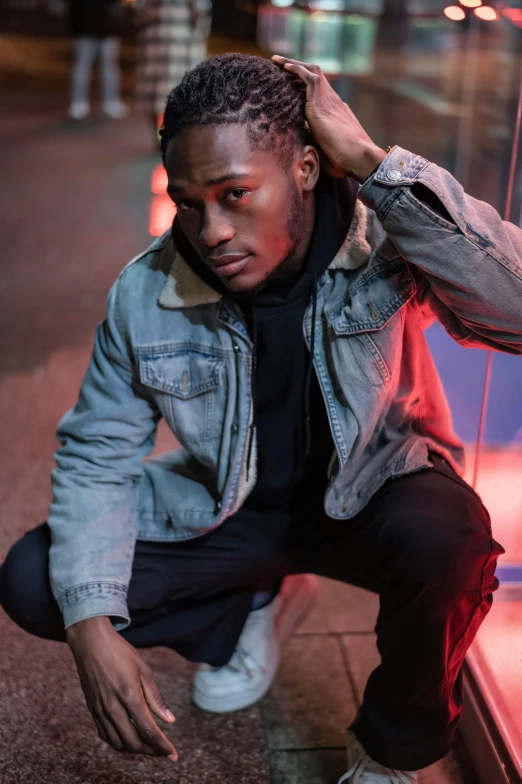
point(162, 209)
point(159, 180)
point(454, 13)
point(514, 15)
point(484, 12)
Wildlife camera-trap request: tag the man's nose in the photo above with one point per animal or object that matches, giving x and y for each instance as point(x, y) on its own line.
point(214, 230)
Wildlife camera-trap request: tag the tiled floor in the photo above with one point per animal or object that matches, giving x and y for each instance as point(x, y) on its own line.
point(75, 202)
point(319, 687)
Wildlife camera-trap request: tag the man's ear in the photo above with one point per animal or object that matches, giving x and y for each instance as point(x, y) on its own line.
point(309, 168)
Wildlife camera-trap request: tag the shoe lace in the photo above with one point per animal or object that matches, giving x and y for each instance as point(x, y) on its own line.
point(366, 771)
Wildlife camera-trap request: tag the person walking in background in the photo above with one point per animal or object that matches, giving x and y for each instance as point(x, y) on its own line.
point(172, 39)
point(94, 26)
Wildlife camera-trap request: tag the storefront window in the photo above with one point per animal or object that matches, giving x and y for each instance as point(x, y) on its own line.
point(443, 80)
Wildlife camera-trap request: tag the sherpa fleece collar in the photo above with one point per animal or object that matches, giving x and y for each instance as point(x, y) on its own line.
point(185, 289)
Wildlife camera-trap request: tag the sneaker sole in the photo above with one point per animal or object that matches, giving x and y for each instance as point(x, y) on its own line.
point(298, 600)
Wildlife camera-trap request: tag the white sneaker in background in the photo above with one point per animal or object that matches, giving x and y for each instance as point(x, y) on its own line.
point(253, 666)
point(362, 769)
point(116, 110)
point(79, 110)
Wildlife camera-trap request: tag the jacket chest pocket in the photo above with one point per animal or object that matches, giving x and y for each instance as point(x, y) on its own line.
point(366, 329)
point(189, 389)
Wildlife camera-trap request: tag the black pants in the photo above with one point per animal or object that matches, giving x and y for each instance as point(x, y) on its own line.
point(423, 543)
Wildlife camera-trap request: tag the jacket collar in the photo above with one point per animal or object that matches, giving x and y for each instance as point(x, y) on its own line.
point(185, 289)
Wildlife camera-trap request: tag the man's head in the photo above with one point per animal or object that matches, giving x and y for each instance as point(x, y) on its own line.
point(240, 169)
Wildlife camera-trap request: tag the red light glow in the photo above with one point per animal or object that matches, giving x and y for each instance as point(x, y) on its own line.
point(159, 180)
point(162, 212)
point(499, 487)
point(486, 13)
point(514, 15)
point(454, 13)
point(471, 3)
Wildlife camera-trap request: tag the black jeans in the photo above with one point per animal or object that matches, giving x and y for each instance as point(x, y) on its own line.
point(423, 543)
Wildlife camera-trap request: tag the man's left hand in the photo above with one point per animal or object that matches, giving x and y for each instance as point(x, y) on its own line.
point(348, 149)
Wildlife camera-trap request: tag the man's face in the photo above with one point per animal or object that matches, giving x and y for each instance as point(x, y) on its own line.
point(246, 215)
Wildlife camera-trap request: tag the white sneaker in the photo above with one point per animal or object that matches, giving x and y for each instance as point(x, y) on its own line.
point(116, 110)
point(253, 666)
point(79, 110)
point(363, 770)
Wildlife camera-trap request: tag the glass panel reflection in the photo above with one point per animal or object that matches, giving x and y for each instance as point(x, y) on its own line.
point(445, 83)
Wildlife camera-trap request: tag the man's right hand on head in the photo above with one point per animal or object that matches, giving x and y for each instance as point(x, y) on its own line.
point(120, 690)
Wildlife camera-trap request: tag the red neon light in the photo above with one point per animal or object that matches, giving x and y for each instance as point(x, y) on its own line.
point(162, 212)
point(514, 15)
point(159, 180)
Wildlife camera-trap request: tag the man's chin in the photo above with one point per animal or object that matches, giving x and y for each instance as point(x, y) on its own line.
point(246, 286)
point(244, 289)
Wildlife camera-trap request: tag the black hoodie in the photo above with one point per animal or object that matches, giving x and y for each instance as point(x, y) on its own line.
point(294, 442)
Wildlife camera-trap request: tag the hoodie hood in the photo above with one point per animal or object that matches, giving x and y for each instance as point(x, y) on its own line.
point(294, 442)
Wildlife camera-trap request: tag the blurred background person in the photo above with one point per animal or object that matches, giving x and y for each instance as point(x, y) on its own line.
point(94, 25)
point(172, 39)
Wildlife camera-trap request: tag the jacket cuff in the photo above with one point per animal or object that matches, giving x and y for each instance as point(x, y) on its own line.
point(95, 599)
point(398, 170)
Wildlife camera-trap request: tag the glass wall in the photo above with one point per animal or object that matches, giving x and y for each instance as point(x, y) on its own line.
point(443, 79)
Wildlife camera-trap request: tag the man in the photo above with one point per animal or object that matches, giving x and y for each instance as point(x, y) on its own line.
point(278, 330)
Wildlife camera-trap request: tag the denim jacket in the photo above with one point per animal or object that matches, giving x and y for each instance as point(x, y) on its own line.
point(173, 347)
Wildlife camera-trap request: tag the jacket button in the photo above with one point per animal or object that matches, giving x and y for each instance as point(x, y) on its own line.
point(394, 175)
point(236, 348)
point(234, 429)
point(217, 507)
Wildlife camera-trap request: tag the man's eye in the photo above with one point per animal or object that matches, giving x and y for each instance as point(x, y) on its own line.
point(183, 206)
point(236, 194)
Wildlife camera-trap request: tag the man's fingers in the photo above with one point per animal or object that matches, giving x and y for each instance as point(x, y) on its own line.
point(151, 734)
point(147, 729)
point(310, 75)
point(154, 697)
point(280, 60)
point(118, 719)
point(307, 77)
point(108, 733)
point(119, 722)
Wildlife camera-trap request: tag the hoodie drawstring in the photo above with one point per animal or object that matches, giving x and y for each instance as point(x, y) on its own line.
point(308, 383)
point(253, 392)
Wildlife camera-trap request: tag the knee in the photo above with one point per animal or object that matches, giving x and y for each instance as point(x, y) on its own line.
point(25, 592)
point(451, 551)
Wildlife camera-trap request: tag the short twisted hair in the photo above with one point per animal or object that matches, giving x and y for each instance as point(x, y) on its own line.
point(238, 88)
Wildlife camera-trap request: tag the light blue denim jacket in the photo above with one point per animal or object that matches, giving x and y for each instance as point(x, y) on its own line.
point(172, 347)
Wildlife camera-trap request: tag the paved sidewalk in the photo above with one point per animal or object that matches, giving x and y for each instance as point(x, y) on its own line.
point(74, 206)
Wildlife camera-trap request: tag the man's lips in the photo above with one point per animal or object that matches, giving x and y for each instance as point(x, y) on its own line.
point(226, 258)
point(228, 264)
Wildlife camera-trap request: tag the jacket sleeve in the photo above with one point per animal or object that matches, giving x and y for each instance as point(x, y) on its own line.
point(467, 261)
point(93, 515)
